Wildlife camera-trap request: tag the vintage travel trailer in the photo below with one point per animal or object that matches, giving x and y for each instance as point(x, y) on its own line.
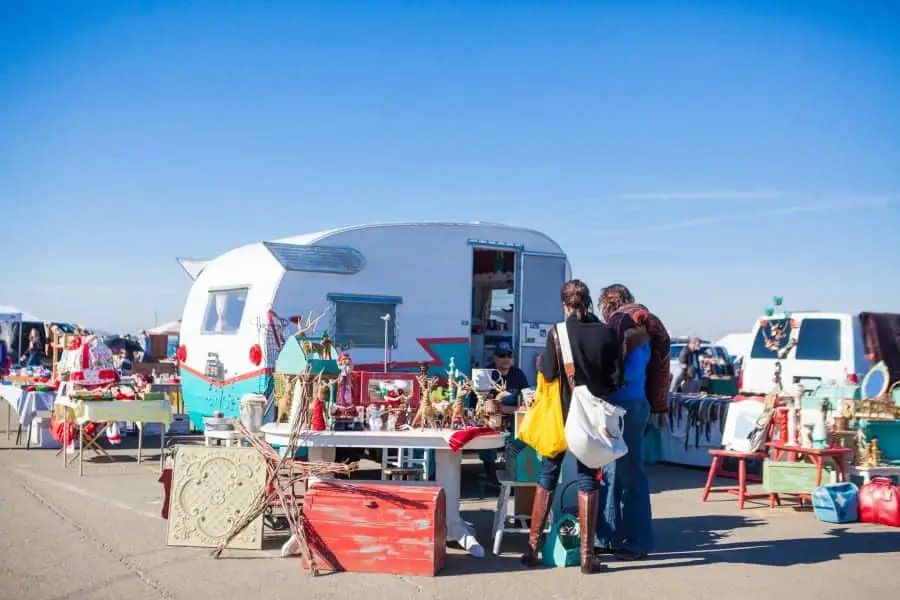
point(399, 293)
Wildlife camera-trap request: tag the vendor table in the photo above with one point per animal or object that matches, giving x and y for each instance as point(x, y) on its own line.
point(322, 446)
point(110, 411)
point(817, 456)
point(26, 405)
point(868, 473)
point(173, 391)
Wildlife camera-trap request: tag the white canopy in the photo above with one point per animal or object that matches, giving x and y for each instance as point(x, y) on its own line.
point(171, 328)
point(13, 314)
point(737, 344)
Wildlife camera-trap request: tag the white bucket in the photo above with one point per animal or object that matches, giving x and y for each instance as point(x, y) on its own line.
point(253, 410)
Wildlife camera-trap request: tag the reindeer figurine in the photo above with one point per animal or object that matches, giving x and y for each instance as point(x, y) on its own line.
point(424, 416)
point(490, 407)
point(458, 414)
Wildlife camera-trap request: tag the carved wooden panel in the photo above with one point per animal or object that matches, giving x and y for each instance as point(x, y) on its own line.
point(211, 488)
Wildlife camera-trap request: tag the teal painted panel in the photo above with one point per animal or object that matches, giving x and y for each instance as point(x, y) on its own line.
point(522, 461)
point(458, 351)
point(888, 434)
point(202, 400)
point(291, 360)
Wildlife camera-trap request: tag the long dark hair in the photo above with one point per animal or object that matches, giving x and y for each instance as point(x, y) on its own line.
point(576, 296)
point(612, 298)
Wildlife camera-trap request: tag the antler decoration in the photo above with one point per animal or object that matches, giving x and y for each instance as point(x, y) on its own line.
point(310, 323)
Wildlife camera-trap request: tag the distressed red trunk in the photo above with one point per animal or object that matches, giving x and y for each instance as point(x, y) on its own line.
point(376, 527)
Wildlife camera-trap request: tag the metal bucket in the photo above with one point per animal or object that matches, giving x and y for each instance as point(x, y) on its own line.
point(253, 410)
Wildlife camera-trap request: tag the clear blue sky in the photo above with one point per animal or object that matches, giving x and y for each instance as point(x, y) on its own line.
point(708, 155)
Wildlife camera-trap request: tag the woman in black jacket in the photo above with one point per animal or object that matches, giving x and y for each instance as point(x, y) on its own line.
point(598, 365)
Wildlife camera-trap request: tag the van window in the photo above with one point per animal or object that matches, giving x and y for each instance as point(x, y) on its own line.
point(675, 351)
point(819, 339)
point(224, 310)
point(759, 344)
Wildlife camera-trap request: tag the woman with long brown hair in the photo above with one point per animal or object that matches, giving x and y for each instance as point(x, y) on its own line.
point(625, 520)
point(35, 349)
point(597, 362)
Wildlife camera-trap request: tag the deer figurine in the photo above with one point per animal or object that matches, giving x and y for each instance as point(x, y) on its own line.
point(424, 417)
point(490, 407)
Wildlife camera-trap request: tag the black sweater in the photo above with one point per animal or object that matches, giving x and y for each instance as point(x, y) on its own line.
point(596, 353)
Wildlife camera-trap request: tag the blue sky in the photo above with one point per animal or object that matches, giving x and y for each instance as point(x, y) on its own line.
point(708, 155)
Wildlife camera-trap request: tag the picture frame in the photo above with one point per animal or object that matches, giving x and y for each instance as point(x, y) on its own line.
point(372, 384)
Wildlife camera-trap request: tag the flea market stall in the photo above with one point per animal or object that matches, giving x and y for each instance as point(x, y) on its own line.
point(832, 444)
point(94, 402)
point(323, 405)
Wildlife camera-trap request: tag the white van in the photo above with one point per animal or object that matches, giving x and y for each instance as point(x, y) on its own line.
point(829, 349)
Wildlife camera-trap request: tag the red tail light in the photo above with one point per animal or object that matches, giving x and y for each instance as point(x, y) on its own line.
point(853, 379)
point(741, 381)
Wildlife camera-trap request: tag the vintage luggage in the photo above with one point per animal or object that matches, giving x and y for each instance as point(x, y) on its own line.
point(365, 527)
point(879, 502)
point(836, 503)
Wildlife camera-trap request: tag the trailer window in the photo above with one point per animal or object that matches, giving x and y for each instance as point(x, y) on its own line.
point(358, 321)
point(224, 310)
point(819, 339)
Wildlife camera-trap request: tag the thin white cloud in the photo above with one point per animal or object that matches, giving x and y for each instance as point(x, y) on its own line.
point(71, 290)
point(728, 195)
point(868, 202)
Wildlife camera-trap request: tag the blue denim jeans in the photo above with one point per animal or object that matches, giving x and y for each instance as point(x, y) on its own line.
point(34, 359)
point(551, 467)
point(624, 516)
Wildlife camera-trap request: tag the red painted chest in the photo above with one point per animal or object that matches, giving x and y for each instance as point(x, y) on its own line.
point(376, 527)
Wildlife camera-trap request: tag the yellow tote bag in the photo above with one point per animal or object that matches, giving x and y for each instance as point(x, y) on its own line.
point(542, 426)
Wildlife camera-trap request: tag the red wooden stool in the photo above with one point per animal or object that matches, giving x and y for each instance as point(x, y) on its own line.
point(715, 470)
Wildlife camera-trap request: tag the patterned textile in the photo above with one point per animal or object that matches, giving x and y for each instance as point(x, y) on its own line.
point(636, 325)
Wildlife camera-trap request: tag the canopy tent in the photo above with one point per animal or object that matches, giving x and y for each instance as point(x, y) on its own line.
point(170, 328)
point(11, 314)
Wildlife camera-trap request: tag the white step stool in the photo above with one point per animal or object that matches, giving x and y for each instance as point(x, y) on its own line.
point(503, 521)
point(230, 437)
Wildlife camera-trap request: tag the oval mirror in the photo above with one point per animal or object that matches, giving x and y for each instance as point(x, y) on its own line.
point(875, 383)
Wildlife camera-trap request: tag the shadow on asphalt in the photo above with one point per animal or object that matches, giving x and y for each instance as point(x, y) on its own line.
point(700, 540)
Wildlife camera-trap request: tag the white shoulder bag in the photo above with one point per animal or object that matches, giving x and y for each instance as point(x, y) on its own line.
point(593, 426)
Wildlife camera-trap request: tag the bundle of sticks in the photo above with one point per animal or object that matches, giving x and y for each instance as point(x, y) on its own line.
point(284, 475)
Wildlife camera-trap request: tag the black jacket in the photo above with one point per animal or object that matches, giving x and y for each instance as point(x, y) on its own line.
point(596, 353)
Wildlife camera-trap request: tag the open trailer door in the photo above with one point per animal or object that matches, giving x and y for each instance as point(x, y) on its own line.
point(540, 277)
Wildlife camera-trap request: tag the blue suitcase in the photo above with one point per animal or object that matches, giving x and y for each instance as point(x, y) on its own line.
point(836, 503)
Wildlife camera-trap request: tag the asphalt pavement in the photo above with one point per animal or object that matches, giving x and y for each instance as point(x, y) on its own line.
point(101, 537)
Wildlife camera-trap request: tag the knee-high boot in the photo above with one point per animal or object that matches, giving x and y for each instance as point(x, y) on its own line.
point(543, 500)
point(587, 524)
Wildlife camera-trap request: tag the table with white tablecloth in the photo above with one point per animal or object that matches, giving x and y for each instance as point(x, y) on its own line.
point(26, 404)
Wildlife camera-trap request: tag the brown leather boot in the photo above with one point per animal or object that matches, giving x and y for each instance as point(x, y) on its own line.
point(543, 500)
point(587, 525)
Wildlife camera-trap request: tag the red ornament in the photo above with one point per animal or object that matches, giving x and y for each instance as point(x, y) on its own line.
point(256, 354)
point(318, 415)
point(181, 353)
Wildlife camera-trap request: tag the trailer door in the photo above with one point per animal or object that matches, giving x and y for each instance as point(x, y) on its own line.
point(538, 307)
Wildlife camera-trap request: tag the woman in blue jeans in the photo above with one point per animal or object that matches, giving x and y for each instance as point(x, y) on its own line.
point(596, 358)
point(625, 525)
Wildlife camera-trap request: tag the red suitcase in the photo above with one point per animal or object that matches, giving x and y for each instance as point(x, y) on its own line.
point(879, 502)
point(376, 527)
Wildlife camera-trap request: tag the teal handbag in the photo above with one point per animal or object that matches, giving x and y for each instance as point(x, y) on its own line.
point(562, 546)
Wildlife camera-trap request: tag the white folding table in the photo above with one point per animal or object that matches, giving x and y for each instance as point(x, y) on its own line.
point(448, 464)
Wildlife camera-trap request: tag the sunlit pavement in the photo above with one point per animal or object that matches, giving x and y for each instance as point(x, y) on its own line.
point(101, 536)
